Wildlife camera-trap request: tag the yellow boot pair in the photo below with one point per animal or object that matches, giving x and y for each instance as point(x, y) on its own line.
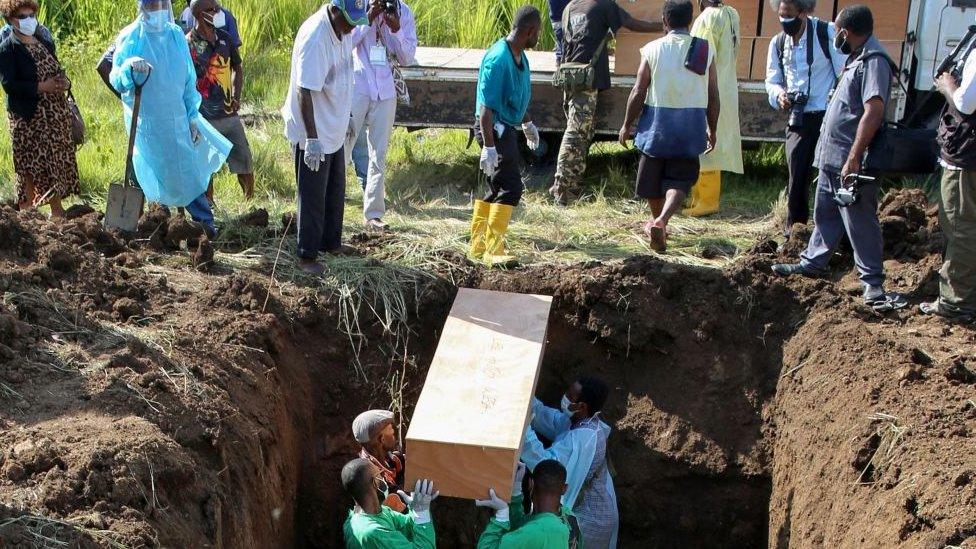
point(489, 223)
point(705, 195)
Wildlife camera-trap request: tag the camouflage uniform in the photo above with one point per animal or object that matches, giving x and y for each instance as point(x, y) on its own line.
point(580, 109)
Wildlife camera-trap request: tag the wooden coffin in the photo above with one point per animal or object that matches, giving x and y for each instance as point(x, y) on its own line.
point(466, 431)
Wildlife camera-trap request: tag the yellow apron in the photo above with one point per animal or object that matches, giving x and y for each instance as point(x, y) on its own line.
point(719, 26)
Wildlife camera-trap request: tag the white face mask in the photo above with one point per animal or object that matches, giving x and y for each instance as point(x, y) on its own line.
point(27, 26)
point(564, 405)
point(219, 21)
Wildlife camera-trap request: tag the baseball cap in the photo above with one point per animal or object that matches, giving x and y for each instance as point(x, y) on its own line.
point(353, 10)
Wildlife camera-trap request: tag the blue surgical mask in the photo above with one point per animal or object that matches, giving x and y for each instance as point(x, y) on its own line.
point(219, 20)
point(27, 26)
point(156, 20)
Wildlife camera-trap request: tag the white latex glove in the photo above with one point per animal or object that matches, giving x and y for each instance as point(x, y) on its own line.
point(138, 64)
point(496, 503)
point(314, 154)
point(419, 500)
point(531, 135)
point(489, 161)
point(194, 132)
point(517, 483)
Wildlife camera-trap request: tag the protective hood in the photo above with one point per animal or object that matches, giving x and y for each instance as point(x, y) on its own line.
point(155, 14)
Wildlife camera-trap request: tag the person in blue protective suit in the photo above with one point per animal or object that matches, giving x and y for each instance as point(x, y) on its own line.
point(580, 443)
point(176, 150)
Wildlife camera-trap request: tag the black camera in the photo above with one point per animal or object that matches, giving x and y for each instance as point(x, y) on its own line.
point(849, 191)
point(391, 7)
point(798, 102)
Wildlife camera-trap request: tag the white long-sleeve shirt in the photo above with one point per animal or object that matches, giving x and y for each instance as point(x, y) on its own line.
point(965, 97)
point(798, 75)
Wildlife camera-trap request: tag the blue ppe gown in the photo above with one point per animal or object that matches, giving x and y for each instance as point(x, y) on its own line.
point(171, 169)
point(581, 448)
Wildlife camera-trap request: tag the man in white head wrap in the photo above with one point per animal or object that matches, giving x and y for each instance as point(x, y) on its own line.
point(374, 430)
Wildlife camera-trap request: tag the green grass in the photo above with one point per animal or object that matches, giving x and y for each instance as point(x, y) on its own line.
point(273, 23)
point(432, 175)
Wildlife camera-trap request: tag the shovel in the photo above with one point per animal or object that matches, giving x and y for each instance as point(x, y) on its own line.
point(125, 199)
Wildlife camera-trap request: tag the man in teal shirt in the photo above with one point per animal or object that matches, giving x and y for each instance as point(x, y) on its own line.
point(550, 526)
point(372, 525)
point(504, 90)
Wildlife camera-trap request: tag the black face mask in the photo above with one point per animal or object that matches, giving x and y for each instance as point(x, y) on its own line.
point(791, 26)
point(842, 45)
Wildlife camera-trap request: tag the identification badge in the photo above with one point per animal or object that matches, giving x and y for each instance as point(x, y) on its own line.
point(377, 56)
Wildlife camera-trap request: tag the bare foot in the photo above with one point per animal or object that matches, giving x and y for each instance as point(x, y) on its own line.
point(656, 231)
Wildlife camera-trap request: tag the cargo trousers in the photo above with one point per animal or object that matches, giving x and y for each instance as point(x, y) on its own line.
point(580, 110)
point(957, 214)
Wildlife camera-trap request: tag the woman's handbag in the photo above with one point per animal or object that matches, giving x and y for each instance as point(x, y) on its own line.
point(77, 122)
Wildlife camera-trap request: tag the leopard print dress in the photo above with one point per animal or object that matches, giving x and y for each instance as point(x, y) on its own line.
point(43, 150)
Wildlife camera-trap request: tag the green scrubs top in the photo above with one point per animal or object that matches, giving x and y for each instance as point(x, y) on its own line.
point(387, 530)
point(537, 531)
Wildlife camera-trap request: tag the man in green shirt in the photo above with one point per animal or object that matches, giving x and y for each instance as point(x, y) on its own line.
point(372, 525)
point(549, 526)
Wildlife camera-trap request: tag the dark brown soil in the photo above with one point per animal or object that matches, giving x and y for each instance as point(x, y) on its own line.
point(154, 405)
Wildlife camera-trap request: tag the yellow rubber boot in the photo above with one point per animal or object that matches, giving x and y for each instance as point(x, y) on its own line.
point(707, 192)
point(692, 199)
point(479, 224)
point(499, 216)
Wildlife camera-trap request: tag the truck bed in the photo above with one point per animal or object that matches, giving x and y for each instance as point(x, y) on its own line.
point(443, 82)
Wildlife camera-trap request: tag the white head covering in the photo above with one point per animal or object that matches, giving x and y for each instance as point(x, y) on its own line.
point(366, 424)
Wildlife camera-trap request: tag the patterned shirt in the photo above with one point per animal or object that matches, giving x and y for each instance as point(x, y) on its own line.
point(215, 63)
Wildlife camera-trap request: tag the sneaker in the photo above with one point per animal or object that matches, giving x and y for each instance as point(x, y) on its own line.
point(873, 293)
point(790, 269)
point(882, 301)
point(313, 268)
point(948, 312)
point(376, 224)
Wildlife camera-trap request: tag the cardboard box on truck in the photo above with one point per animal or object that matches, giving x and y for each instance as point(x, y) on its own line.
point(770, 18)
point(743, 61)
point(760, 54)
point(627, 51)
point(467, 429)
point(890, 16)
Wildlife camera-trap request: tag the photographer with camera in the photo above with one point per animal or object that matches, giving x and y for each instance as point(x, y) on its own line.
point(801, 68)
point(847, 201)
point(390, 39)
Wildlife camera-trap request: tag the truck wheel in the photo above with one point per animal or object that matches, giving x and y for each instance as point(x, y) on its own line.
point(538, 170)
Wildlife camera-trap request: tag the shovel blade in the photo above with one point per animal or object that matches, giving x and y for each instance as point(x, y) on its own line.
point(124, 207)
